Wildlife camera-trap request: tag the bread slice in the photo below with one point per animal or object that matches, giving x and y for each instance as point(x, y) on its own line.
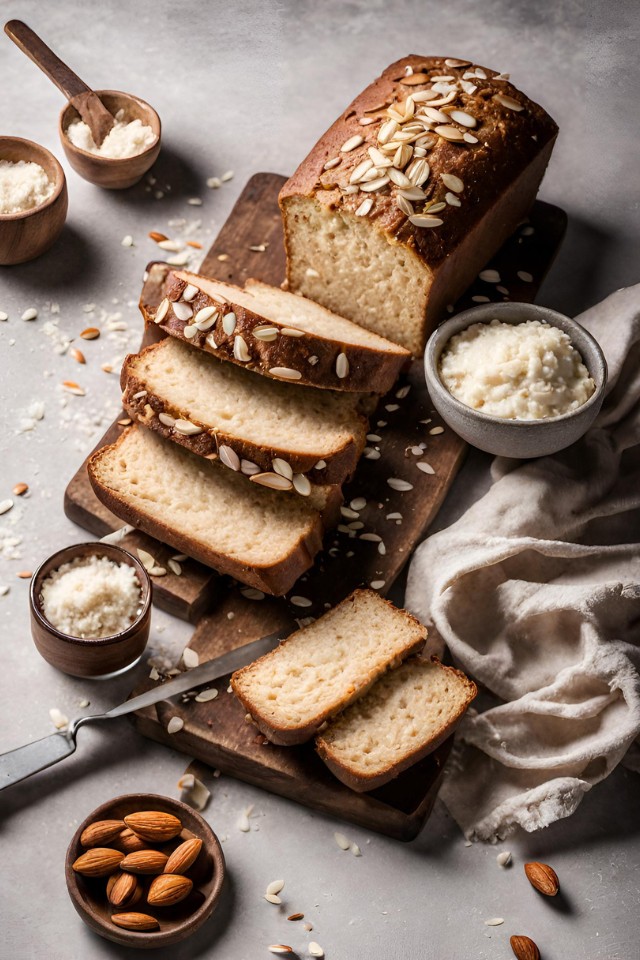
point(456, 154)
point(407, 714)
point(257, 535)
point(250, 422)
point(325, 666)
point(276, 334)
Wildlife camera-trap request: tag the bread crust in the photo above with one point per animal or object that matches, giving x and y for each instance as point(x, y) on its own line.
point(276, 578)
point(367, 366)
point(506, 147)
point(340, 463)
point(362, 784)
point(291, 736)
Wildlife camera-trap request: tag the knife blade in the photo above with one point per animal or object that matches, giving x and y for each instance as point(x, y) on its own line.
point(22, 762)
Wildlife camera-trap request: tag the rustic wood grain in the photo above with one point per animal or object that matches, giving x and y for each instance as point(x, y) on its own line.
point(217, 732)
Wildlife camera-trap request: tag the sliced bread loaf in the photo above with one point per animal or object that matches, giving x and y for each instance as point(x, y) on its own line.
point(406, 715)
point(325, 666)
point(277, 334)
point(283, 438)
point(212, 514)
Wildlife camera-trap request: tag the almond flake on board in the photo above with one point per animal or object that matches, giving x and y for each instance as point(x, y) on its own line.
point(175, 724)
point(206, 695)
point(190, 658)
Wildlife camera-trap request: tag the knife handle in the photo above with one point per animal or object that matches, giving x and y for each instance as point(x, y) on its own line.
point(16, 765)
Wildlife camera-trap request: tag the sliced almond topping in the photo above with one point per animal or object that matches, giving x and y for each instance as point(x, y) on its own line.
point(507, 102)
point(463, 118)
point(229, 457)
point(285, 373)
point(351, 143)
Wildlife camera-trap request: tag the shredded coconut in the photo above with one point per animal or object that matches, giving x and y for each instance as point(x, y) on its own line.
point(23, 186)
point(91, 597)
point(522, 371)
point(123, 140)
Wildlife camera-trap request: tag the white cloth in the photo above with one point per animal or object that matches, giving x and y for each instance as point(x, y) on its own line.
point(536, 593)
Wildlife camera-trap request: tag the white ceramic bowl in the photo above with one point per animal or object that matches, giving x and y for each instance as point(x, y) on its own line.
point(515, 438)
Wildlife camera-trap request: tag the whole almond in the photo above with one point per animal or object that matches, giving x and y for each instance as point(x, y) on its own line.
point(20, 489)
point(144, 861)
point(121, 891)
point(168, 889)
point(91, 333)
point(183, 856)
point(127, 841)
point(98, 862)
point(78, 355)
point(100, 832)
point(135, 921)
point(542, 877)
point(154, 825)
point(524, 948)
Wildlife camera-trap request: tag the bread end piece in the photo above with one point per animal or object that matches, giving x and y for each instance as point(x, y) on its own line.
point(354, 747)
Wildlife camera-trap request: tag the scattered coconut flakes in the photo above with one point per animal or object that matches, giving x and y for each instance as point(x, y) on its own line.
point(175, 724)
point(190, 658)
point(343, 842)
point(494, 922)
point(504, 858)
point(275, 886)
point(58, 719)
point(127, 241)
point(29, 314)
point(206, 695)
point(315, 950)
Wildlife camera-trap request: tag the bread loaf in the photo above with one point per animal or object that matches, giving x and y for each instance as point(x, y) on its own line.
point(258, 536)
point(276, 334)
point(289, 438)
point(404, 717)
point(411, 191)
point(325, 666)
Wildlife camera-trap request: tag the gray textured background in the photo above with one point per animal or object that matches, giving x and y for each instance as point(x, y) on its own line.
point(249, 86)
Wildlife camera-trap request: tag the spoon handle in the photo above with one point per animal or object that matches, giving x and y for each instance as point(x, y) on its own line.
point(86, 102)
point(36, 49)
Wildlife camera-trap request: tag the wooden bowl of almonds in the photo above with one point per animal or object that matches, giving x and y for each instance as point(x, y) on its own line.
point(144, 870)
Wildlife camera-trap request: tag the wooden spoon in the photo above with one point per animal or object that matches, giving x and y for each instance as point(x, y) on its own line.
point(87, 103)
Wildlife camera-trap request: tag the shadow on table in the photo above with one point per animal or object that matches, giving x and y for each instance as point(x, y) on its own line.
point(73, 254)
point(173, 174)
point(574, 281)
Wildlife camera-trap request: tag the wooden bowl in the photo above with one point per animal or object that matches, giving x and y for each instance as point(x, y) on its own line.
point(176, 923)
point(90, 657)
point(113, 174)
point(24, 236)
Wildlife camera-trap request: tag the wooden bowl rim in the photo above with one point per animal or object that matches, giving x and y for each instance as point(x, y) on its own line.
point(185, 927)
point(111, 161)
point(69, 553)
point(60, 179)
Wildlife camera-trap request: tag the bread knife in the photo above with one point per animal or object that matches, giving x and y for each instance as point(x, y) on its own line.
point(22, 762)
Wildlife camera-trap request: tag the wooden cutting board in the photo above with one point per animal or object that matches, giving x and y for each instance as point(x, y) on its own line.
point(394, 522)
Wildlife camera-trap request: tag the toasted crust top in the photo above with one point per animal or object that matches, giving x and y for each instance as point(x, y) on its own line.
point(474, 102)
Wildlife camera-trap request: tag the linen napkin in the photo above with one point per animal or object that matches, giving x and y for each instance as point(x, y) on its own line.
point(536, 592)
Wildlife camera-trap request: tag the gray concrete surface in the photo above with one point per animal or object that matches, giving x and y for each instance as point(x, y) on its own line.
point(249, 86)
